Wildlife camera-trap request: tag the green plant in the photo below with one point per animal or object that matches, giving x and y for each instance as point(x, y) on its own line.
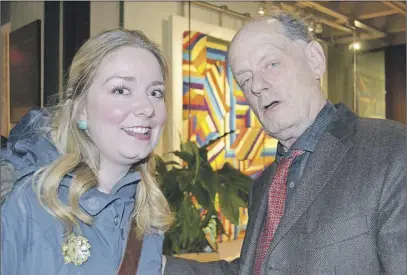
point(195, 181)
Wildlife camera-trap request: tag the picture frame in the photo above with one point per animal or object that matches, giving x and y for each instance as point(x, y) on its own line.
point(25, 70)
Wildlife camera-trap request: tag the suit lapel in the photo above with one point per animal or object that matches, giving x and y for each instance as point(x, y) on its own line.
point(320, 168)
point(258, 211)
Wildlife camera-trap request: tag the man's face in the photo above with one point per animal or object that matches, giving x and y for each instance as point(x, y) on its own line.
point(278, 76)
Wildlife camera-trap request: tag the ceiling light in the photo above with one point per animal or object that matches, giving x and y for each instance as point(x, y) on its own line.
point(355, 46)
point(311, 26)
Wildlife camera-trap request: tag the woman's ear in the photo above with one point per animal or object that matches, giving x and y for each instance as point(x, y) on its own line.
point(316, 59)
point(83, 115)
point(80, 112)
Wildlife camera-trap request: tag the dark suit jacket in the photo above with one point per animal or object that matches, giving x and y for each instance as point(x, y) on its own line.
point(347, 215)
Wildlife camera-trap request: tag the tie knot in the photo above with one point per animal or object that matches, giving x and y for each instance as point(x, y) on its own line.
point(296, 153)
point(286, 161)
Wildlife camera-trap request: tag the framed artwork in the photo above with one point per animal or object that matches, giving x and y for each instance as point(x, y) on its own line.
point(25, 70)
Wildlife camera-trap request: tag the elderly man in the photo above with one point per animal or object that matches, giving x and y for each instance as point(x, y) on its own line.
point(333, 202)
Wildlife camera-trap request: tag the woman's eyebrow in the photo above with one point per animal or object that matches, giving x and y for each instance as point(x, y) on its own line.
point(127, 78)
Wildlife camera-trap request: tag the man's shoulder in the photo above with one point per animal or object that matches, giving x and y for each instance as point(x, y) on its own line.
point(382, 132)
point(382, 126)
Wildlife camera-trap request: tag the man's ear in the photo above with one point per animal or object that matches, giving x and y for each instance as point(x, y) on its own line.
point(316, 59)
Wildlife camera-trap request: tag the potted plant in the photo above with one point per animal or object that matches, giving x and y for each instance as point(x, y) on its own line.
point(191, 188)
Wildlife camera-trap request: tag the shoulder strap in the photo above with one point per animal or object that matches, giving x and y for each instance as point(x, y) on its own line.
point(132, 254)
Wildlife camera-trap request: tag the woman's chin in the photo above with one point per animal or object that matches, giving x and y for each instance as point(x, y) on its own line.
point(130, 158)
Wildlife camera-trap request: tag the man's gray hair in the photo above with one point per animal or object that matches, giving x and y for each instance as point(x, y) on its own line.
point(295, 28)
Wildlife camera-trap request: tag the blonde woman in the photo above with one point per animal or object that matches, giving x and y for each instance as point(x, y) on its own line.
point(80, 183)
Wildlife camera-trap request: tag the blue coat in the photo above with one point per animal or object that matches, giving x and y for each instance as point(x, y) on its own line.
point(31, 238)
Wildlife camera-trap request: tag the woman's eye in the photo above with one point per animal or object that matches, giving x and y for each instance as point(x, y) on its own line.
point(120, 91)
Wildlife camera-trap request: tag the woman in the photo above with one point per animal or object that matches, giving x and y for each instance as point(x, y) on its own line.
point(80, 175)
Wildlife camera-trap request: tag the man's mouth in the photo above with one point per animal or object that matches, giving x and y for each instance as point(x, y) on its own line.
point(271, 105)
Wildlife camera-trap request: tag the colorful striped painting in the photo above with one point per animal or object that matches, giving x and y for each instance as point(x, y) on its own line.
point(213, 105)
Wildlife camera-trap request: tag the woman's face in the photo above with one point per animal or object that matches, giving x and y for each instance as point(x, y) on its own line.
point(125, 108)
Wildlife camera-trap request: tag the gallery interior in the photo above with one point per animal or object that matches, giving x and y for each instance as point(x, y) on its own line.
point(40, 38)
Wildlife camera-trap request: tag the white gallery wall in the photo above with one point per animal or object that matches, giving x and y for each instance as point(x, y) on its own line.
point(104, 15)
point(152, 17)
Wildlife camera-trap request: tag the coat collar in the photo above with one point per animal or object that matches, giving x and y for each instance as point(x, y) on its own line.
point(93, 201)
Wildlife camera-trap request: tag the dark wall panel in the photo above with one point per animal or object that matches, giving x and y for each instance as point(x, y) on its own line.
point(76, 29)
point(395, 70)
point(51, 50)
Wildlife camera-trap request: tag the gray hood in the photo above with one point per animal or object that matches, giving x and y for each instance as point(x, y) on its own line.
point(28, 148)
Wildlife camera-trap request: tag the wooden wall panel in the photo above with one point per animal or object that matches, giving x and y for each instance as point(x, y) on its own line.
point(5, 81)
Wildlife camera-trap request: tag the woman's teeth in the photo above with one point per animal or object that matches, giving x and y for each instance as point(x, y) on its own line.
point(140, 130)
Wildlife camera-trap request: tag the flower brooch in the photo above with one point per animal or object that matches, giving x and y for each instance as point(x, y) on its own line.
point(76, 250)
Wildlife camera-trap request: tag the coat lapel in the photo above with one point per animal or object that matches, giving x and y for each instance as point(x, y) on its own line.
point(258, 211)
point(320, 168)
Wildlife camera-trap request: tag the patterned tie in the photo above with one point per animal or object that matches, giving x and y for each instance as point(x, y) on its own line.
point(275, 208)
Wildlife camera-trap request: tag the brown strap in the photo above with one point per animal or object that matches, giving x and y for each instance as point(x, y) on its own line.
point(131, 257)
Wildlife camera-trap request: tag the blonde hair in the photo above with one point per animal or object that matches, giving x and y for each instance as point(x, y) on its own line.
point(79, 153)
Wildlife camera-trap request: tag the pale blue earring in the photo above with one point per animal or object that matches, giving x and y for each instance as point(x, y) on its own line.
point(82, 124)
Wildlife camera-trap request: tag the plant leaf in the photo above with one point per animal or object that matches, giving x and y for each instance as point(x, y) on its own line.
point(185, 156)
point(230, 203)
point(172, 163)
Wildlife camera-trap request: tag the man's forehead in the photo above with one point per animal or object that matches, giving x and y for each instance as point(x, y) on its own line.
point(266, 26)
point(268, 23)
point(261, 30)
point(256, 37)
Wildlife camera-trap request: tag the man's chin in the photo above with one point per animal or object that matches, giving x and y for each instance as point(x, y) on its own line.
point(279, 131)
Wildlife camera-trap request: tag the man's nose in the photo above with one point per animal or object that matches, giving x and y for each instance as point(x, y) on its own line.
point(143, 107)
point(258, 85)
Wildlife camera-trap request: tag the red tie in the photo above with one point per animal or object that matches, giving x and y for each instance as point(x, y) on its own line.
point(275, 208)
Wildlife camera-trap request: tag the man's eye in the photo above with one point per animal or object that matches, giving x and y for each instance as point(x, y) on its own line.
point(244, 83)
point(157, 93)
point(272, 65)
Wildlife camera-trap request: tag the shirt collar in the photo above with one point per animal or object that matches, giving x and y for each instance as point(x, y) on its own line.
point(309, 139)
point(93, 201)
